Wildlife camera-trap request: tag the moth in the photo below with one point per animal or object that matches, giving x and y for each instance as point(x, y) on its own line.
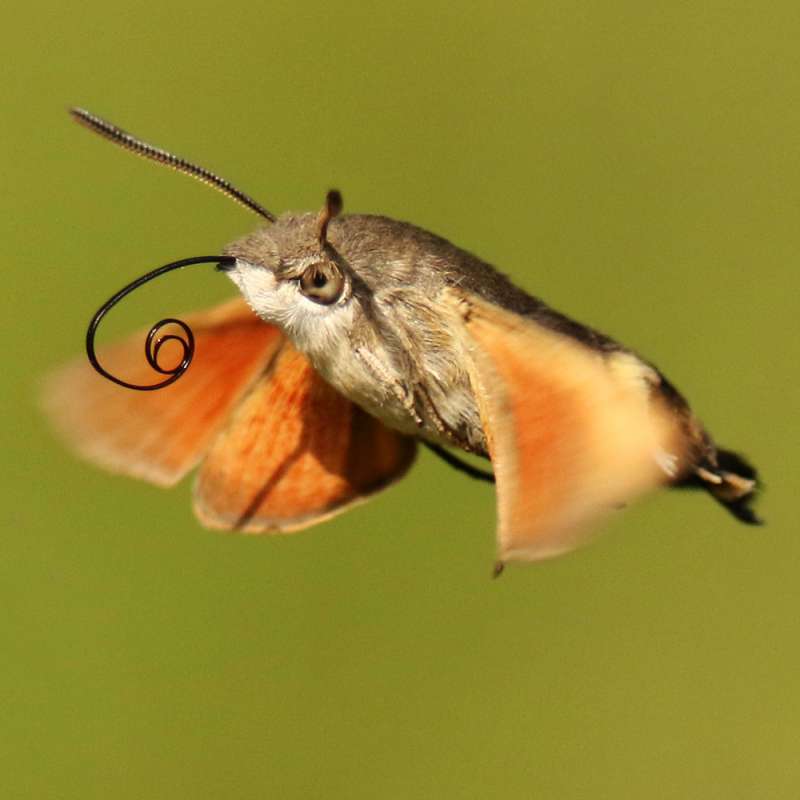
point(355, 338)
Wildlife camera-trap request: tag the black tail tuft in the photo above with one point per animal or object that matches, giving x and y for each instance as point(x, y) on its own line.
point(739, 487)
point(729, 461)
point(735, 485)
point(740, 508)
point(731, 481)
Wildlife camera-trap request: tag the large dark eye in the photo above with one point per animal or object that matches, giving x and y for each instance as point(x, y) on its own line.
point(322, 283)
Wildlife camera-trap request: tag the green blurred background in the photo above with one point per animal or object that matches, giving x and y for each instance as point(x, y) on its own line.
point(636, 164)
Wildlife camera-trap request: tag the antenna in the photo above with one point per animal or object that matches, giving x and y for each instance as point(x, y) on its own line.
point(125, 140)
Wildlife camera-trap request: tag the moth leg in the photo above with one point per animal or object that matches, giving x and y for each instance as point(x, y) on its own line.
point(380, 373)
point(447, 431)
point(433, 412)
point(458, 464)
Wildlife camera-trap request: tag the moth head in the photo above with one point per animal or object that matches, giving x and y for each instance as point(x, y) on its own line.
point(291, 274)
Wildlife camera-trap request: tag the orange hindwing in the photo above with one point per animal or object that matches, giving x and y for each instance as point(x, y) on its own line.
point(296, 451)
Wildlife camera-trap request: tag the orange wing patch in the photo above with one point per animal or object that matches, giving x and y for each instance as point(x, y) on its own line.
point(159, 436)
point(571, 432)
point(296, 452)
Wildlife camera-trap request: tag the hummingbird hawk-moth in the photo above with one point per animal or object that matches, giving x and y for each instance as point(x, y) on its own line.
point(358, 336)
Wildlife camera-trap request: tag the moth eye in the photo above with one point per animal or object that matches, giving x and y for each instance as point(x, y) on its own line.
point(322, 283)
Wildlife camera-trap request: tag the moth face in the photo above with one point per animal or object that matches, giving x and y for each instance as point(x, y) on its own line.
point(309, 296)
